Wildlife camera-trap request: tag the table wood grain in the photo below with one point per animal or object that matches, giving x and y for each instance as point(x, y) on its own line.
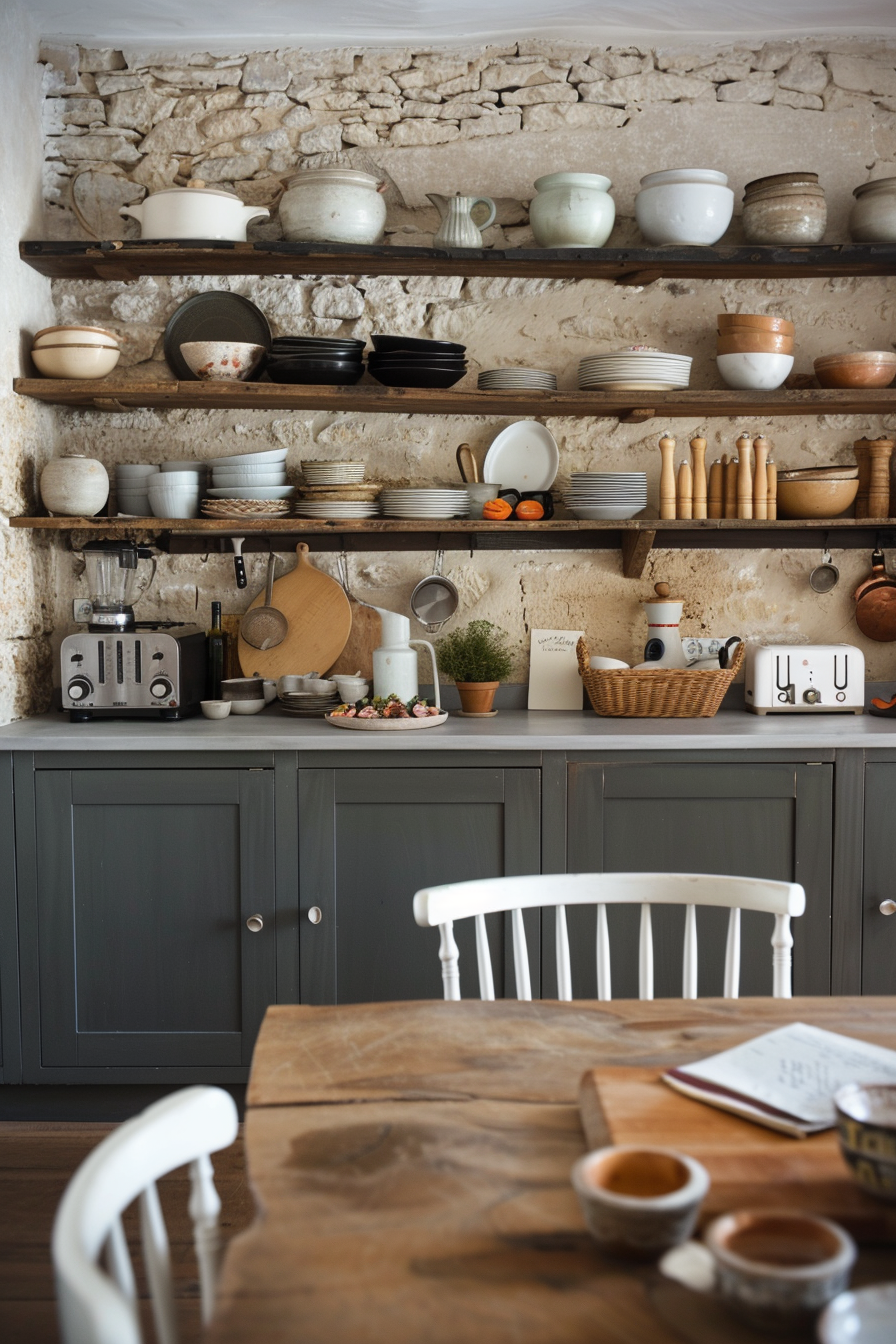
point(411, 1167)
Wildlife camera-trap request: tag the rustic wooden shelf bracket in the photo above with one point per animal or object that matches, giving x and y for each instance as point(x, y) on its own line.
point(636, 546)
point(637, 415)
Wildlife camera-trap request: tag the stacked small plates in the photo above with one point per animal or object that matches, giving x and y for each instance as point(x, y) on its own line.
point(606, 494)
point(424, 502)
point(337, 508)
point(538, 380)
point(637, 367)
point(333, 473)
point(307, 705)
point(315, 360)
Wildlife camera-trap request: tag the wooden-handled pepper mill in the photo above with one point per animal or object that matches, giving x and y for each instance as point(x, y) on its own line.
point(667, 477)
point(760, 477)
point(879, 451)
point(863, 460)
point(685, 491)
point(744, 477)
point(715, 495)
point(698, 469)
point(729, 470)
point(771, 472)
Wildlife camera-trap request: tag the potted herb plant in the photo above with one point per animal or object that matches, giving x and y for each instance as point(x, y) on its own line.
point(478, 660)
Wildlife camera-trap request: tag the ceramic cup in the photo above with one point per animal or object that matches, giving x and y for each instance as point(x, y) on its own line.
point(638, 1202)
point(777, 1268)
point(866, 1123)
point(352, 689)
point(215, 709)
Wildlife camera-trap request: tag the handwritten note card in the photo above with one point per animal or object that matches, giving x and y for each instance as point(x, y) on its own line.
point(554, 681)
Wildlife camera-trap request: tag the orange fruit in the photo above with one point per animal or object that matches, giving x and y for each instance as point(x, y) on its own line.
point(496, 509)
point(529, 510)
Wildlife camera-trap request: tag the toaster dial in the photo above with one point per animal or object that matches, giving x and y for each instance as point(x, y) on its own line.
point(80, 688)
point(161, 688)
point(812, 696)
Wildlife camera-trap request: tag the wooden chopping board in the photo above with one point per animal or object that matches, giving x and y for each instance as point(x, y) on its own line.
point(750, 1166)
point(366, 635)
point(320, 621)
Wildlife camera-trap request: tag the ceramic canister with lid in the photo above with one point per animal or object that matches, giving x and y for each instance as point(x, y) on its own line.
point(572, 210)
point(785, 208)
point(333, 205)
point(684, 206)
point(873, 218)
point(663, 647)
point(194, 211)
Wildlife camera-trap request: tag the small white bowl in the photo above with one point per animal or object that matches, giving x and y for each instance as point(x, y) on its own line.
point(352, 689)
point(248, 706)
point(74, 336)
point(228, 480)
point(76, 362)
point(216, 709)
point(228, 361)
point(757, 369)
point(600, 664)
point(191, 465)
point(176, 503)
point(264, 457)
point(185, 479)
point(135, 470)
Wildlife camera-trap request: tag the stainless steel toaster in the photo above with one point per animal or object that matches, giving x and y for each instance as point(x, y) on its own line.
point(805, 679)
point(143, 673)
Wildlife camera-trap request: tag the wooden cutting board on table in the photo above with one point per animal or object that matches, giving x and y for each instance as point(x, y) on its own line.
point(366, 635)
point(320, 621)
point(750, 1166)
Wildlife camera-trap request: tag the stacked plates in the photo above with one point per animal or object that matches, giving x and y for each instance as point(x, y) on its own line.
point(606, 494)
point(636, 367)
point(538, 380)
point(337, 490)
point(307, 705)
point(309, 507)
point(333, 473)
point(411, 361)
point(424, 502)
point(315, 359)
point(254, 482)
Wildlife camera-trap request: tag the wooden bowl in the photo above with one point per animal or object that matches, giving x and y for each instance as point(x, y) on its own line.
point(820, 474)
point(867, 368)
point(728, 322)
point(815, 499)
point(753, 342)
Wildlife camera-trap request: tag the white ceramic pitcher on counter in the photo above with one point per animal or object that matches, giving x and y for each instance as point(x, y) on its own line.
point(458, 228)
point(395, 661)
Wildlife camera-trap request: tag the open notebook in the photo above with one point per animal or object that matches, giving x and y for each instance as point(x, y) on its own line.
point(787, 1078)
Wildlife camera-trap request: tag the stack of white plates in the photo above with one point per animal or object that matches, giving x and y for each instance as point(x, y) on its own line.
point(637, 367)
point(538, 380)
point(333, 473)
point(244, 475)
point(424, 502)
point(337, 508)
point(606, 494)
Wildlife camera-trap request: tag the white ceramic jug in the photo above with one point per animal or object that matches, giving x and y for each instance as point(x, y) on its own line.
point(458, 228)
point(395, 661)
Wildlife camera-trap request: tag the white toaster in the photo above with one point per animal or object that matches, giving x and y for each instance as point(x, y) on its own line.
point(805, 678)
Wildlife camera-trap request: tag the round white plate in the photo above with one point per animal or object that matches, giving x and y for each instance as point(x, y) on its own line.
point(249, 459)
point(252, 492)
point(604, 512)
point(633, 385)
point(523, 457)
point(388, 724)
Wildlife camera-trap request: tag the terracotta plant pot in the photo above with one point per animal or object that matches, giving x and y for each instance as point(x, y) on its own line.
point(476, 697)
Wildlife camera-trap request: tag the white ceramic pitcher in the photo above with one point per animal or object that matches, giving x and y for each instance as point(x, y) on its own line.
point(458, 228)
point(395, 661)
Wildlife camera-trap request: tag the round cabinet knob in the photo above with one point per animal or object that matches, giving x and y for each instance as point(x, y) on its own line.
point(888, 907)
point(160, 688)
point(255, 923)
point(812, 697)
point(79, 688)
point(315, 914)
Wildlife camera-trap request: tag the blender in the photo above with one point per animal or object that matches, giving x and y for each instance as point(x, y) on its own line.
point(115, 581)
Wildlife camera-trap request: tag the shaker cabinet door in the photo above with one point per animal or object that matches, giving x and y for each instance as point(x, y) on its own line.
point(744, 819)
point(879, 886)
point(369, 839)
point(145, 880)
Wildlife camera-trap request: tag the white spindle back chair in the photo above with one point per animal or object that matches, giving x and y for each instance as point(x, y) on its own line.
point(441, 906)
point(99, 1307)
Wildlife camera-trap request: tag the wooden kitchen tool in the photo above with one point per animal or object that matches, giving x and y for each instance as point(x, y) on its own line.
point(667, 477)
point(875, 600)
point(467, 464)
point(685, 501)
point(319, 617)
point(265, 627)
point(715, 498)
point(729, 473)
point(771, 504)
point(698, 470)
point(760, 477)
point(744, 478)
point(750, 1166)
point(879, 452)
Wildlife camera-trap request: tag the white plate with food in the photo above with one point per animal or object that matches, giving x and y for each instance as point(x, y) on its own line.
point(431, 721)
point(523, 457)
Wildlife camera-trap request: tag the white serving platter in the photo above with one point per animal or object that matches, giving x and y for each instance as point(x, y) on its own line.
point(433, 721)
point(523, 457)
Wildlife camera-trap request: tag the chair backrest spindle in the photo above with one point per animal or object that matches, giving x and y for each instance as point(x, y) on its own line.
point(157, 1261)
point(645, 955)
point(604, 978)
point(564, 966)
point(520, 956)
point(689, 956)
point(732, 955)
point(484, 961)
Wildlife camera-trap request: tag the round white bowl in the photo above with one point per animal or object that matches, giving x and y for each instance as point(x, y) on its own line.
point(227, 361)
point(175, 480)
point(265, 457)
point(75, 336)
point(216, 709)
point(755, 370)
point(352, 688)
point(134, 471)
point(247, 706)
point(684, 206)
point(189, 464)
point(176, 503)
point(228, 480)
point(250, 474)
point(76, 361)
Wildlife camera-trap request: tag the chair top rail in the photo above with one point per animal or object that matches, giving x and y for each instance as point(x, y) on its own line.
point(436, 905)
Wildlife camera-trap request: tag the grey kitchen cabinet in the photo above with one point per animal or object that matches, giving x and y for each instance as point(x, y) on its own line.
point(752, 819)
point(135, 896)
point(369, 838)
point(10, 1060)
point(879, 880)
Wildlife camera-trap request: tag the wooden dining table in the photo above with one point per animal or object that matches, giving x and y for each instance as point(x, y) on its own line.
point(410, 1163)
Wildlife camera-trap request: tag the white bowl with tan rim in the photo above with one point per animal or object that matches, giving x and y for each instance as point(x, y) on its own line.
point(76, 361)
point(70, 335)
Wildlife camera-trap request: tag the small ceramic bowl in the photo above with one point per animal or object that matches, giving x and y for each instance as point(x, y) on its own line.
point(135, 471)
point(76, 361)
point(863, 1317)
point(352, 689)
point(866, 1123)
point(231, 361)
point(248, 706)
point(215, 709)
point(815, 499)
point(639, 1201)
point(757, 370)
point(747, 341)
point(868, 368)
point(70, 335)
point(754, 322)
point(243, 688)
point(600, 664)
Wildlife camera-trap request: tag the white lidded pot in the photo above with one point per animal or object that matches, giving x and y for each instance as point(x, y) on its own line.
point(873, 218)
point(194, 211)
point(333, 205)
point(395, 661)
point(74, 486)
point(572, 210)
point(684, 206)
point(663, 647)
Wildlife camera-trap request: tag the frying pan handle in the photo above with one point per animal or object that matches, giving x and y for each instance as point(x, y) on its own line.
point(425, 644)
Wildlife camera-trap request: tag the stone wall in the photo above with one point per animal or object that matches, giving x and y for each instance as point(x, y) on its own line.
point(488, 122)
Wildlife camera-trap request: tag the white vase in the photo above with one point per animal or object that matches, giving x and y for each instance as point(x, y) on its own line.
point(572, 210)
point(333, 205)
point(74, 486)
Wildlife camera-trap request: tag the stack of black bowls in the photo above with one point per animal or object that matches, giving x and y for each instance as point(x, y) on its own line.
point(411, 361)
point(315, 359)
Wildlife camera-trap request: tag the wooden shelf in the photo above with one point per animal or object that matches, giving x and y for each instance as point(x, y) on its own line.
point(632, 407)
point(634, 538)
point(627, 266)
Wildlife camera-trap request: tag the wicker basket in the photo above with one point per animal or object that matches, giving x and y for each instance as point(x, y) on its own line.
point(667, 693)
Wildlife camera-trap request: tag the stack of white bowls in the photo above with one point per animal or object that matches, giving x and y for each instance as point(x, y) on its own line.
point(132, 488)
point(606, 494)
point(174, 494)
point(259, 478)
point(425, 502)
point(636, 367)
point(75, 352)
point(536, 380)
point(333, 473)
point(188, 465)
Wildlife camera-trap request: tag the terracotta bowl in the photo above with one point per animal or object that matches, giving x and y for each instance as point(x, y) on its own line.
point(820, 474)
point(815, 499)
point(868, 368)
point(728, 322)
point(750, 342)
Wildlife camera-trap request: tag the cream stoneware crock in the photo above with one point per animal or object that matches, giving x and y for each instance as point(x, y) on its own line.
point(195, 211)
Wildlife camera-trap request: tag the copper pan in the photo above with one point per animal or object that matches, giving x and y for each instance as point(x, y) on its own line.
point(875, 600)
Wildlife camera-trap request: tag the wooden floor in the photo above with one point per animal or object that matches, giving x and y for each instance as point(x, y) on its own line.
point(36, 1162)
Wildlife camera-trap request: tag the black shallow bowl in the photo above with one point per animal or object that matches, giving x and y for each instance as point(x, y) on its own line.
point(412, 359)
point(334, 372)
point(417, 343)
point(415, 376)
point(316, 342)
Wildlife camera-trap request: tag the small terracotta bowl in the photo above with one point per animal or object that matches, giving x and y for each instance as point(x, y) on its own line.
point(727, 322)
point(815, 499)
point(866, 369)
point(638, 1201)
point(745, 341)
point(866, 1123)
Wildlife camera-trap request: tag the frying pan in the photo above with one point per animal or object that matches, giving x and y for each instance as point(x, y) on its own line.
point(875, 600)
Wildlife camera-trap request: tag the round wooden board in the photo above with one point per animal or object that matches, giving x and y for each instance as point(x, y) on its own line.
point(320, 621)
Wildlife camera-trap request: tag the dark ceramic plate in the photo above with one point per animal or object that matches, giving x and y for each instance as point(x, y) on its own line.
point(386, 344)
point(315, 356)
point(412, 375)
point(413, 359)
point(212, 317)
point(315, 342)
point(315, 371)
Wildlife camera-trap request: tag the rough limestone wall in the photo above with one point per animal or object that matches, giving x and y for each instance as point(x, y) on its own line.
point(486, 121)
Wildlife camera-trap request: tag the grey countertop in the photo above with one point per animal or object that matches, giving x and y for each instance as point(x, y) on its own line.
point(511, 730)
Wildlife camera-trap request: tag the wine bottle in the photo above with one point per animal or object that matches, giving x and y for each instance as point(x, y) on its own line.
point(216, 642)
